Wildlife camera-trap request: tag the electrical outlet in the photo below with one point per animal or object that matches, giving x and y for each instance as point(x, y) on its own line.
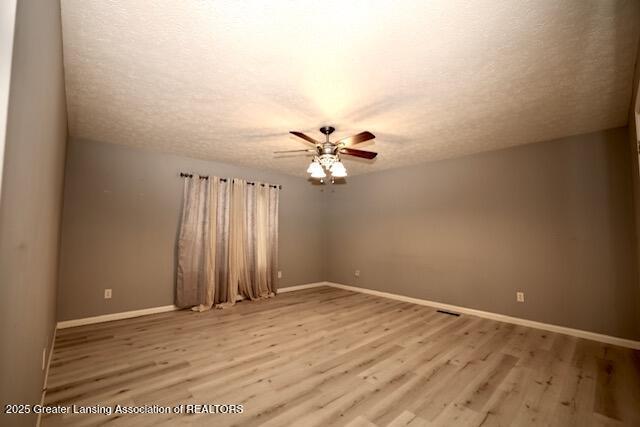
point(44, 358)
point(107, 294)
point(520, 296)
point(279, 274)
point(357, 273)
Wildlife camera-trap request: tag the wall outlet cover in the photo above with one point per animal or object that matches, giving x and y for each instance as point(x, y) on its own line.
point(279, 274)
point(520, 296)
point(357, 273)
point(107, 294)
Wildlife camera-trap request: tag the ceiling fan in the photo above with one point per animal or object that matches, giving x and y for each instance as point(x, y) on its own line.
point(327, 153)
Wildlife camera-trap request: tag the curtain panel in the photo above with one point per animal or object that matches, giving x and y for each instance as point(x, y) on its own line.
point(227, 243)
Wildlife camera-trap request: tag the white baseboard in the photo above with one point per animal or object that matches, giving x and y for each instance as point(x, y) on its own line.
point(300, 287)
point(46, 374)
point(115, 316)
point(154, 310)
point(622, 342)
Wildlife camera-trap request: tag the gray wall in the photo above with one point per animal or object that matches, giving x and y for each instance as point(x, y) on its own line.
point(553, 219)
point(30, 203)
point(634, 148)
point(121, 214)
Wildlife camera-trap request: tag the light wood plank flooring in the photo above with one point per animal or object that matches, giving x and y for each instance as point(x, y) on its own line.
point(327, 357)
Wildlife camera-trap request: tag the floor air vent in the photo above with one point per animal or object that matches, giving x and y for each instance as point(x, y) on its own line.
point(449, 313)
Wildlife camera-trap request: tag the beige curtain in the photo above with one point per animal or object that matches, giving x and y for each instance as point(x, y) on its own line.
point(193, 243)
point(261, 227)
point(265, 228)
point(237, 266)
point(272, 238)
point(255, 231)
point(228, 242)
point(208, 291)
point(222, 242)
point(211, 238)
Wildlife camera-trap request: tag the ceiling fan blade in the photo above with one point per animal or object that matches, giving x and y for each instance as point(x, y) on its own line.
point(305, 137)
point(359, 153)
point(295, 151)
point(357, 139)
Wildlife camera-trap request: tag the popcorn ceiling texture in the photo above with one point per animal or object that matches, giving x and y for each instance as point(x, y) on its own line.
point(226, 80)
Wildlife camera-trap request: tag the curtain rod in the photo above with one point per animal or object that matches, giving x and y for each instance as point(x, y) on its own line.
point(190, 175)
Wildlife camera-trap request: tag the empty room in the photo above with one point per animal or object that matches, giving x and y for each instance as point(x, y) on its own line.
point(304, 213)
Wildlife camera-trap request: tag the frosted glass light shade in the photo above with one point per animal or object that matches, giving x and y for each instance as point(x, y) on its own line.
point(311, 167)
point(318, 173)
point(337, 165)
point(314, 167)
point(338, 170)
point(341, 173)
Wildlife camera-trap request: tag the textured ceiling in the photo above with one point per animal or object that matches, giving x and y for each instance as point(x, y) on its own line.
point(226, 80)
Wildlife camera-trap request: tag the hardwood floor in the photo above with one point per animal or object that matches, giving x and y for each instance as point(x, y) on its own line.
point(326, 357)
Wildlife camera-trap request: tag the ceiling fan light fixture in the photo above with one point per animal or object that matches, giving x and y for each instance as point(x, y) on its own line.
point(327, 153)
